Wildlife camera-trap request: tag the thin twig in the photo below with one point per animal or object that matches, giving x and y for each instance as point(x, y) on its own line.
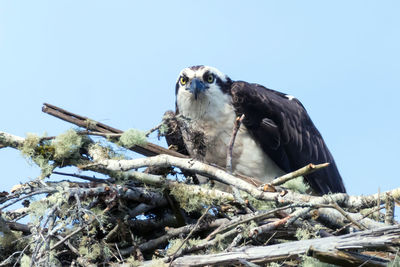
point(67, 237)
point(310, 168)
point(84, 177)
point(229, 153)
point(153, 129)
point(350, 223)
point(190, 234)
point(344, 213)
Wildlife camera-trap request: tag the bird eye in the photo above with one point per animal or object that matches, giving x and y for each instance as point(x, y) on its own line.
point(210, 78)
point(183, 80)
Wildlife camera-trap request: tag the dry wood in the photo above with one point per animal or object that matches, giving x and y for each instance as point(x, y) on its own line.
point(190, 233)
point(369, 239)
point(346, 258)
point(287, 197)
point(149, 149)
point(389, 207)
point(310, 168)
point(229, 153)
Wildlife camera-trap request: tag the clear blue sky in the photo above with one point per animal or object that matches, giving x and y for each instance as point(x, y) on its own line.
point(117, 62)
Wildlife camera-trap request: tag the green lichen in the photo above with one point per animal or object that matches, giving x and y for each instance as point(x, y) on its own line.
point(256, 203)
point(132, 137)
point(93, 251)
point(308, 231)
point(67, 145)
point(157, 263)
point(44, 153)
point(36, 210)
point(25, 261)
point(11, 241)
point(91, 124)
point(395, 262)
point(38, 152)
point(175, 244)
point(192, 198)
point(30, 144)
point(297, 185)
point(132, 262)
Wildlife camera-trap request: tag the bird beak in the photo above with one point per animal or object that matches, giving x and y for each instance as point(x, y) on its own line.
point(196, 87)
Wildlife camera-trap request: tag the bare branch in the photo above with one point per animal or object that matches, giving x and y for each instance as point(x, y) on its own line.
point(370, 239)
point(229, 153)
point(310, 168)
point(148, 150)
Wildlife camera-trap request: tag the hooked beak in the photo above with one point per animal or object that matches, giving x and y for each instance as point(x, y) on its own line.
point(196, 87)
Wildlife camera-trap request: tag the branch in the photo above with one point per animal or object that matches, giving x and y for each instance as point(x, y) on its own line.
point(190, 234)
point(369, 239)
point(282, 198)
point(9, 140)
point(229, 153)
point(310, 168)
point(148, 149)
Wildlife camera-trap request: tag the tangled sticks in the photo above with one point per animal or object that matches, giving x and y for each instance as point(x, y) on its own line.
point(124, 212)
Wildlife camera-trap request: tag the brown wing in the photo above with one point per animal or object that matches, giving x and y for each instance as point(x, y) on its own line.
point(282, 127)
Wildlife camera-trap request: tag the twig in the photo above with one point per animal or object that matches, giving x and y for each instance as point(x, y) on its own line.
point(365, 239)
point(350, 223)
point(153, 129)
point(19, 198)
point(251, 217)
point(345, 214)
point(190, 234)
point(287, 197)
point(84, 177)
point(172, 232)
point(7, 262)
point(70, 246)
point(310, 168)
point(64, 239)
point(334, 219)
point(229, 158)
point(389, 207)
point(269, 226)
point(229, 153)
point(207, 244)
point(236, 240)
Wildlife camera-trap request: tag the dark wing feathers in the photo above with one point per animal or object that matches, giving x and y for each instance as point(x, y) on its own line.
point(286, 133)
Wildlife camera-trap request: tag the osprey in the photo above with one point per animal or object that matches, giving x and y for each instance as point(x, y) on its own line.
point(276, 137)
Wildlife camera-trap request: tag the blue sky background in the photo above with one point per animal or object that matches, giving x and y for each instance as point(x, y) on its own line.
point(117, 62)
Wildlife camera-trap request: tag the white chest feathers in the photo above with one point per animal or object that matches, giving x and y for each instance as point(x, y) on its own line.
point(207, 129)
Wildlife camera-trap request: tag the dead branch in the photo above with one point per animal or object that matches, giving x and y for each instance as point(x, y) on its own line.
point(369, 239)
point(310, 168)
point(148, 150)
point(229, 153)
point(287, 197)
point(389, 207)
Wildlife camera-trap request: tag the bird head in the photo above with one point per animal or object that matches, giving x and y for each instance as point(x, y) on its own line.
point(199, 81)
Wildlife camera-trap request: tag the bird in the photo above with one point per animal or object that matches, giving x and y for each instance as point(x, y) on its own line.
point(277, 135)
